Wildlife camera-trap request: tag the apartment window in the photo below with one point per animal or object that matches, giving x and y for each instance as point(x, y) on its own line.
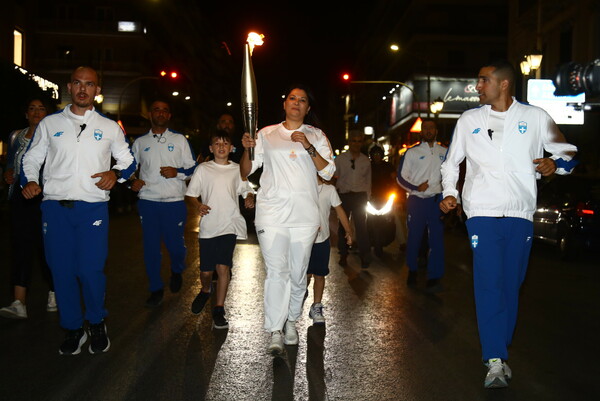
point(18, 47)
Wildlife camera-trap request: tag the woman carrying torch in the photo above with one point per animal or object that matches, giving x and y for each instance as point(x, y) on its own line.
point(291, 153)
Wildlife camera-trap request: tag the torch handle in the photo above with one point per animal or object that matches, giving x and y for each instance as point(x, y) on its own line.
point(251, 153)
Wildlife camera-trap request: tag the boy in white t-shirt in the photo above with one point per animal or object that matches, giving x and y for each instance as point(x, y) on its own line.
point(218, 184)
point(318, 266)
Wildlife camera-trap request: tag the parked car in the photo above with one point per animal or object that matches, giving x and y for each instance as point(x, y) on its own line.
point(568, 213)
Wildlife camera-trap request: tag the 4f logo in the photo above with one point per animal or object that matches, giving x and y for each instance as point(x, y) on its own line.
point(97, 134)
point(474, 241)
point(522, 127)
point(97, 223)
point(476, 131)
point(59, 133)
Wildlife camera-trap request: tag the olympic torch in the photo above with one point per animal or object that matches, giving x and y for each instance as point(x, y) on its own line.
point(249, 96)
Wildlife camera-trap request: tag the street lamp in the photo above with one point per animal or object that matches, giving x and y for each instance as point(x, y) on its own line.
point(437, 106)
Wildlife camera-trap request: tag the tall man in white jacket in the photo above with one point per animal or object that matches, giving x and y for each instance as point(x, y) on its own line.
point(504, 143)
point(166, 161)
point(75, 147)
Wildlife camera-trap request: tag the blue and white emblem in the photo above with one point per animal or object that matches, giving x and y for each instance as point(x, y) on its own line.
point(147, 149)
point(97, 134)
point(474, 241)
point(171, 147)
point(476, 131)
point(522, 127)
point(59, 133)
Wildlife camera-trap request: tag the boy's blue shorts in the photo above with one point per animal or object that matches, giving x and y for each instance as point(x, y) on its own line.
point(216, 251)
point(319, 258)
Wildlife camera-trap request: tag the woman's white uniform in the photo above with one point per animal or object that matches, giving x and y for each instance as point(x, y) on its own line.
point(287, 215)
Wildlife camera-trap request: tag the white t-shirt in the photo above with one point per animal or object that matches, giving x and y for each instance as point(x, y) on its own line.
point(288, 196)
point(219, 186)
point(328, 198)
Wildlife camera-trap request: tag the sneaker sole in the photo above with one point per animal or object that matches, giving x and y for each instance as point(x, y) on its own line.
point(225, 326)
point(498, 382)
point(82, 341)
point(10, 315)
point(101, 351)
point(288, 342)
point(275, 351)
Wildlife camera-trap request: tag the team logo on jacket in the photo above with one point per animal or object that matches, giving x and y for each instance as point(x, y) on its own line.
point(97, 134)
point(59, 133)
point(474, 241)
point(421, 158)
point(171, 147)
point(476, 131)
point(522, 127)
point(147, 149)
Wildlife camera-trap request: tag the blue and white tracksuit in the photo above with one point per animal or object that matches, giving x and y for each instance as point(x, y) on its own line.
point(499, 199)
point(422, 163)
point(72, 148)
point(161, 206)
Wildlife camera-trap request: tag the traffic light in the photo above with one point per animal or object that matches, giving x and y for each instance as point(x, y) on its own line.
point(170, 74)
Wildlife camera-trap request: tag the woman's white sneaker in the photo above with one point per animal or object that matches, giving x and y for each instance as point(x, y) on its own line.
point(276, 346)
point(291, 334)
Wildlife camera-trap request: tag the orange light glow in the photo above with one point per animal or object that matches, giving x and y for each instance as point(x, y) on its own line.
point(417, 125)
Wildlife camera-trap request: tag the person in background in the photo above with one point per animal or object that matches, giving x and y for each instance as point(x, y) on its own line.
point(382, 185)
point(318, 265)
point(25, 219)
point(419, 174)
point(504, 143)
point(75, 147)
point(353, 182)
point(287, 208)
point(166, 161)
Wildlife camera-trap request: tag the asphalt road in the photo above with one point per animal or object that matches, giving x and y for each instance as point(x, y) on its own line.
point(382, 340)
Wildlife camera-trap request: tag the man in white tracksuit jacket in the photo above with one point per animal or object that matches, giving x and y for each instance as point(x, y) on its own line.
point(75, 147)
point(503, 142)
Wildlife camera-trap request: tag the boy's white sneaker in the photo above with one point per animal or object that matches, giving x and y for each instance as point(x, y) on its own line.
point(291, 334)
point(276, 346)
point(316, 313)
point(16, 310)
point(51, 307)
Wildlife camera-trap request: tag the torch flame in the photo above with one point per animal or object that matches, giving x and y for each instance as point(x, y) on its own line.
point(254, 39)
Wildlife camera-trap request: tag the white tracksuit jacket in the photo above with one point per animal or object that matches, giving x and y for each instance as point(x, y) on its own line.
point(153, 152)
point(501, 182)
point(71, 161)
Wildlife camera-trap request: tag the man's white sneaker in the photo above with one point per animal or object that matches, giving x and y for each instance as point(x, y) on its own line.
point(316, 313)
point(276, 346)
point(16, 310)
point(497, 375)
point(291, 334)
point(51, 307)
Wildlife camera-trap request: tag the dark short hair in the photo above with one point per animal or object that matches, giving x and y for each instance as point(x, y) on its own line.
point(376, 149)
point(220, 134)
point(503, 69)
point(428, 120)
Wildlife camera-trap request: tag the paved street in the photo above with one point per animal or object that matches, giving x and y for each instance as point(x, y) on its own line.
point(382, 340)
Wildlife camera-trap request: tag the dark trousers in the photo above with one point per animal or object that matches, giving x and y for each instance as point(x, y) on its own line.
point(27, 240)
point(354, 204)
